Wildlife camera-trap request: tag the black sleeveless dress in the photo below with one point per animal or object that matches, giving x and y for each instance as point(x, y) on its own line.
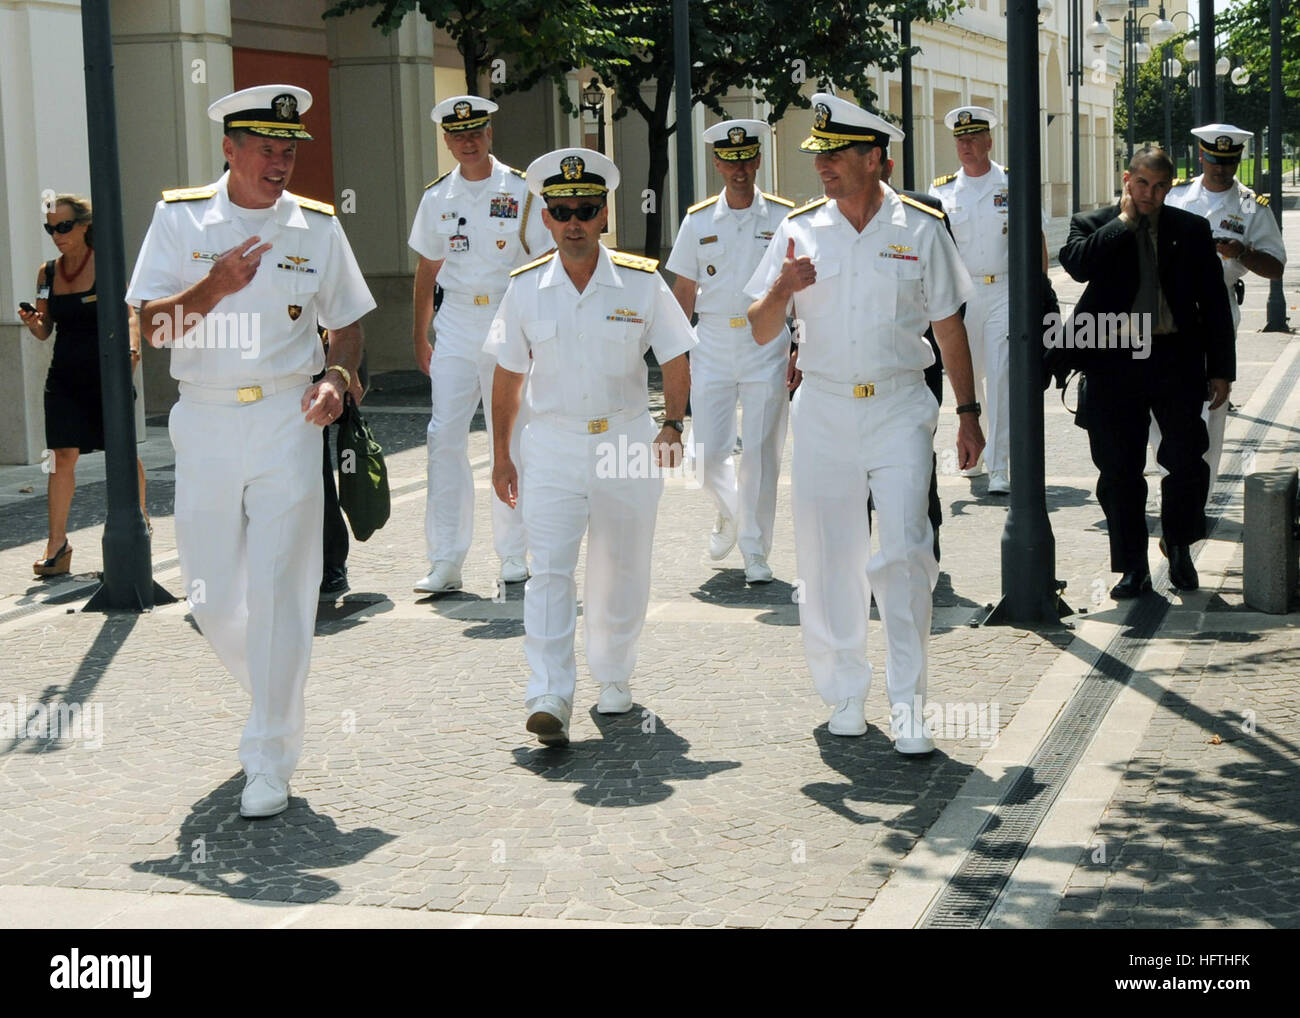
point(74, 408)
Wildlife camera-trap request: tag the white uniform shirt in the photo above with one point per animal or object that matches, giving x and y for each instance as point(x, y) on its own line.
point(864, 318)
point(1234, 214)
point(266, 330)
point(588, 349)
point(978, 209)
point(474, 229)
point(719, 247)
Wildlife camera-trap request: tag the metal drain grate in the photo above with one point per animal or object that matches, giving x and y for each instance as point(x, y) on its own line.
point(969, 897)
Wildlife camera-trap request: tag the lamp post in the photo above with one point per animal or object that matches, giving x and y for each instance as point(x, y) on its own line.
point(593, 98)
point(1136, 51)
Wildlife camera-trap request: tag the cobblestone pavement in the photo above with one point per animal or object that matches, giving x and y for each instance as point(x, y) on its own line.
point(720, 800)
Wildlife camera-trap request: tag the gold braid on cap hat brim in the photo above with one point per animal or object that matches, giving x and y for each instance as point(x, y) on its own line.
point(733, 155)
point(574, 191)
point(465, 125)
point(271, 129)
point(972, 128)
point(831, 141)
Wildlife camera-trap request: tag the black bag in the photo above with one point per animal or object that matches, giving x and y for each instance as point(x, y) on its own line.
point(363, 475)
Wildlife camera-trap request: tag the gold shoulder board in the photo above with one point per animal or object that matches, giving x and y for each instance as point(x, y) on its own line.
point(634, 261)
point(920, 205)
point(808, 207)
point(188, 193)
point(533, 264)
point(316, 206)
point(1181, 181)
point(779, 200)
point(436, 180)
point(1262, 199)
point(945, 179)
point(518, 173)
point(702, 204)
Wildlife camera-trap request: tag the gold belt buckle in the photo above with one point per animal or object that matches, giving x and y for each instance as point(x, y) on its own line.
point(990, 279)
point(864, 390)
point(249, 394)
point(481, 299)
point(739, 323)
point(598, 426)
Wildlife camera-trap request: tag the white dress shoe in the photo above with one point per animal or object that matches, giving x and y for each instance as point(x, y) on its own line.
point(264, 796)
point(548, 719)
point(615, 698)
point(914, 747)
point(849, 718)
point(909, 730)
point(514, 569)
point(443, 577)
point(723, 538)
point(756, 569)
point(999, 483)
point(976, 471)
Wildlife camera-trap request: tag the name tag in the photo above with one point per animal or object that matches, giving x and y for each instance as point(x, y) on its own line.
point(709, 240)
point(459, 243)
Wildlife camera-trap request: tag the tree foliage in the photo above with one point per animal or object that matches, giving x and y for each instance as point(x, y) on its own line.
point(773, 47)
point(536, 39)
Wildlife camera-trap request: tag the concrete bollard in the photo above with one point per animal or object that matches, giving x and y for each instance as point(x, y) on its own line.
point(1270, 540)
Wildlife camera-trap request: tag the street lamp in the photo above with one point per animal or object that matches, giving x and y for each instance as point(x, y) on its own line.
point(1135, 49)
point(593, 99)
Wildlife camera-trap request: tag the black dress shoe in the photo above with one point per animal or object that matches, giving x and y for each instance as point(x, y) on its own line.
point(1132, 585)
point(1182, 573)
point(334, 583)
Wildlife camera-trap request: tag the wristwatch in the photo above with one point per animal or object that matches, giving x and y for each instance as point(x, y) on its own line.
point(969, 408)
point(676, 425)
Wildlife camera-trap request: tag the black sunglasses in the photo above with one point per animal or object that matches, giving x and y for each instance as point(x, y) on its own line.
point(63, 227)
point(585, 213)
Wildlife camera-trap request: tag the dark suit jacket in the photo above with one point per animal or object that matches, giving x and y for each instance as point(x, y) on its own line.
point(1102, 252)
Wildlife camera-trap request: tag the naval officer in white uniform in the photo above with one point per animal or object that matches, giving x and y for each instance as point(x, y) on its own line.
point(1246, 236)
point(583, 318)
point(473, 226)
point(717, 248)
point(864, 269)
point(976, 201)
point(234, 277)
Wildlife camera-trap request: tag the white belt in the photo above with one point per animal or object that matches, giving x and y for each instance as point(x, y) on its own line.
point(862, 390)
point(232, 394)
point(472, 299)
point(727, 321)
point(990, 278)
point(589, 425)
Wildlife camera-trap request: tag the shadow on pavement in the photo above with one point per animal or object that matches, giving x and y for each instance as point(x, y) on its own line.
point(62, 715)
point(631, 764)
point(267, 859)
point(878, 776)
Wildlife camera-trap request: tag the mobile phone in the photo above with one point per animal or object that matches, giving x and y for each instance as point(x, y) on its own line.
point(27, 307)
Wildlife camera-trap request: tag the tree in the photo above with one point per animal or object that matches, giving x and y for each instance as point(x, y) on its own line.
point(533, 39)
point(1246, 23)
point(771, 46)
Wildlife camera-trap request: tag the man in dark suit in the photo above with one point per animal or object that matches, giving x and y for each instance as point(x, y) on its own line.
point(1156, 266)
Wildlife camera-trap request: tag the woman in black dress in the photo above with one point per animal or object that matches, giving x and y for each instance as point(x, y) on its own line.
point(74, 413)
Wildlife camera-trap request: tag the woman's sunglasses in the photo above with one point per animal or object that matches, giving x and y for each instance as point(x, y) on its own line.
point(585, 213)
point(63, 227)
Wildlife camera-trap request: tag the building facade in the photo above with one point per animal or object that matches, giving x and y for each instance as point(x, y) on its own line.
point(375, 147)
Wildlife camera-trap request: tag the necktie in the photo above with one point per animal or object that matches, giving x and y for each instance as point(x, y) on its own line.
point(1147, 301)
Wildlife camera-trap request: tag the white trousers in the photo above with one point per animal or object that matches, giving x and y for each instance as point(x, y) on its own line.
point(751, 498)
point(564, 494)
point(844, 450)
point(456, 384)
point(988, 323)
point(248, 531)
